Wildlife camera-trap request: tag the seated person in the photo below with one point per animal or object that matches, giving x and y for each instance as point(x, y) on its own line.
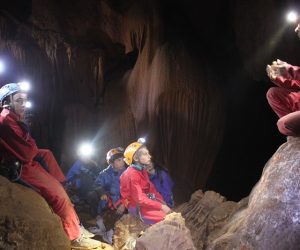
point(162, 182)
point(138, 193)
point(285, 98)
point(106, 193)
point(16, 144)
point(81, 176)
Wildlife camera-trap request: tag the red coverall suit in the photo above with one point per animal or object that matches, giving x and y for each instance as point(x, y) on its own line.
point(285, 101)
point(16, 142)
point(134, 187)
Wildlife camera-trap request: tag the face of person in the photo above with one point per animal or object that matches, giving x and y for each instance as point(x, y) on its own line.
point(19, 103)
point(150, 168)
point(143, 156)
point(118, 164)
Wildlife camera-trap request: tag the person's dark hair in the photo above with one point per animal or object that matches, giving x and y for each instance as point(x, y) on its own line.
point(6, 100)
point(158, 166)
point(116, 156)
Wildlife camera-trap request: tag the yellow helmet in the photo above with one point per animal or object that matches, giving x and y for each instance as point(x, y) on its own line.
point(130, 151)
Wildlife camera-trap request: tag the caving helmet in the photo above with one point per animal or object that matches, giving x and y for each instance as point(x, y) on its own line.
point(130, 151)
point(113, 154)
point(7, 90)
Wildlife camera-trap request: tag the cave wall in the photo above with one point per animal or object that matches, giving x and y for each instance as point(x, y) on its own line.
point(181, 73)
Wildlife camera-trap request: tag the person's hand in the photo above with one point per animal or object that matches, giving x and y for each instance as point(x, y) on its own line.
point(104, 197)
point(165, 208)
point(120, 209)
point(277, 68)
point(270, 72)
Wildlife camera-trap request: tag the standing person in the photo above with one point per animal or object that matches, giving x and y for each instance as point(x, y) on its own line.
point(138, 193)
point(16, 144)
point(162, 182)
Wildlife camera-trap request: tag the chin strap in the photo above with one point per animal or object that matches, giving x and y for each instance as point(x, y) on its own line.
point(10, 105)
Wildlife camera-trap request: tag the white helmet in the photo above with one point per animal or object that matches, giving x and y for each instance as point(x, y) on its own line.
point(9, 89)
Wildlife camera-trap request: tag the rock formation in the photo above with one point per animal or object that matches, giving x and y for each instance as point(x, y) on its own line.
point(206, 214)
point(127, 231)
point(270, 219)
point(26, 220)
point(169, 234)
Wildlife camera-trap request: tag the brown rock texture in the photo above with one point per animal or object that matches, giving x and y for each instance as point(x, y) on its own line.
point(272, 218)
point(169, 234)
point(26, 220)
point(127, 230)
point(206, 214)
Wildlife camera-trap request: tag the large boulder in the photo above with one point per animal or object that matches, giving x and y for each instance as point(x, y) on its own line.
point(127, 231)
point(26, 220)
point(169, 234)
point(206, 214)
point(272, 218)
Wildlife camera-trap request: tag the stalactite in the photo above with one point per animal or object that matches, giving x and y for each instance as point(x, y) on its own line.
point(49, 42)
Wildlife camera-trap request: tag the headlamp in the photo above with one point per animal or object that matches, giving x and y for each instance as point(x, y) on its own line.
point(85, 150)
point(24, 86)
point(141, 140)
point(292, 16)
point(28, 104)
point(2, 67)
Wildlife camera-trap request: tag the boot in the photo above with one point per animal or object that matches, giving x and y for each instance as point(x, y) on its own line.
point(108, 236)
point(100, 228)
point(85, 243)
point(85, 232)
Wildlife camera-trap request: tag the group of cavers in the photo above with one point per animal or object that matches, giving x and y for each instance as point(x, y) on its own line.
point(142, 189)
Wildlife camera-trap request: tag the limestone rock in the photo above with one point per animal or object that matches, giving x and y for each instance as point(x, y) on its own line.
point(127, 230)
point(26, 220)
point(272, 218)
point(103, 246)
point(169, 234)
point(206, 214)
